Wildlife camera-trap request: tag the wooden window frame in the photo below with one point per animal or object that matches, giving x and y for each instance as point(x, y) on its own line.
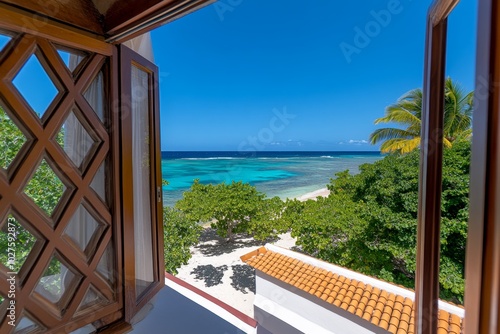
point(482, 276)
point(482, 289)
point(38, 25)
point(46, 33)
point(131, 18)
point(431, 165)
point(134, 303)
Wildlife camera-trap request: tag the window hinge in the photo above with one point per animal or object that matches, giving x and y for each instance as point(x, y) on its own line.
point(158, 194)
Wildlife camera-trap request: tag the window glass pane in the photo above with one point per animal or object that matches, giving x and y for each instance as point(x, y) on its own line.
point(12, 141)
point(71, 58)
point(99, 183)
point(57, 281)
point(4, 40)
point(27, 325)
point(23, 243)
point(95, 96)
point(33, 70)
point(141, 180)
point(83, 230)
point(75, 140)
point(44, 196)
point(106, 266)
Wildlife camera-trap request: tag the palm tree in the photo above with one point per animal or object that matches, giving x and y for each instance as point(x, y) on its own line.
point(407, 112)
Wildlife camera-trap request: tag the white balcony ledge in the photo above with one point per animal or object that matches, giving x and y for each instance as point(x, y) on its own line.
point(183, 309)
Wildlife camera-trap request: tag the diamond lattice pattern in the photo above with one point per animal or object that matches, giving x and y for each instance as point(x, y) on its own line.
point(82, 228)
point(74, 139)
point(56, 281)
point(12, 139)
point(45, 188)
point(4, 40)
point(18, 239)
point(71, 58)
point(32, 71)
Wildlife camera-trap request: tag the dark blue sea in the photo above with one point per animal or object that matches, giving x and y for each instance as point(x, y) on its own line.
point(283, 174)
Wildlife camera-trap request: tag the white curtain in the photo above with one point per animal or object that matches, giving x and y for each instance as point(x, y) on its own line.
point(95, 97)
point(141, 141)
point(142, 45)
point(77, 143)
point(141, 164)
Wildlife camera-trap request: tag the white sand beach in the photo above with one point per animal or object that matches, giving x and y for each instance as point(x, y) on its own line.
point(323, 192)
point(215, 266)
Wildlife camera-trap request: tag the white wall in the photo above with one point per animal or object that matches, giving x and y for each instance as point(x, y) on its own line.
point(277, 303)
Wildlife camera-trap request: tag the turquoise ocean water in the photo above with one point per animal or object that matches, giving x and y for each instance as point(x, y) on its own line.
point(283, 174)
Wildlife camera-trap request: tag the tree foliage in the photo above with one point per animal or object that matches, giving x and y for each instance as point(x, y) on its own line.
point(12, 139)
point(407, 113)
point(369, 221)
point(231, 208)
point(44, 188)
point(179, 234)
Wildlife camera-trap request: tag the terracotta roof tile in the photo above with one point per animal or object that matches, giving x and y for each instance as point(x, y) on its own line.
point(387, 310)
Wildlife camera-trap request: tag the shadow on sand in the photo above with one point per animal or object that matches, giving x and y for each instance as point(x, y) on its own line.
point(243, 278)
point(211, 244)
point(210, 274)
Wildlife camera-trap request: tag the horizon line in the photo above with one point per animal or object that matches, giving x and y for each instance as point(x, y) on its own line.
point(253, 152)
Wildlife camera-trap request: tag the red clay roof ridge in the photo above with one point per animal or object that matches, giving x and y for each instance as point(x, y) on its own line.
point(350, 274)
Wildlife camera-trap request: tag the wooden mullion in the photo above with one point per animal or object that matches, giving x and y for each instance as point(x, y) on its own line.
point(69, 210)
point(482, 277)
point(12, 100)
point(127, 187)
point(18, 55)
point(58, 71)
point(158, 178)
point(95, 278)
point(4, 206)
point(25, 169)
point(90, 317)
point(75, 301)
point(111, 77)
point(97, 127)
point(24, 295)
point(93, 67)
point(430, 179)
point(440, 9)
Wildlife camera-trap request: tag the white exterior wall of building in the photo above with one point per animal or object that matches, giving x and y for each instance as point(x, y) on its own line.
point(281, 308)
point(275, 306)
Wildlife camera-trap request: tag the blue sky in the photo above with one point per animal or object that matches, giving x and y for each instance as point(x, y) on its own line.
point(288, 75)
point(274, 75)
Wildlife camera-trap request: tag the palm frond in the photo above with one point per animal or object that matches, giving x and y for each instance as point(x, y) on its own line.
point(391, 133)
point(396, 114)
point(407, 112)
point(400, 145)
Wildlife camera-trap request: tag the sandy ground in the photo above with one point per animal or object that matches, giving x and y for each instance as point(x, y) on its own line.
point(215, 266)
point(324, 192)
